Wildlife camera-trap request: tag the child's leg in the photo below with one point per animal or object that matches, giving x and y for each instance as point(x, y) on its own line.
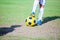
point(34, 6)
point(41, 11)
point(39, 21)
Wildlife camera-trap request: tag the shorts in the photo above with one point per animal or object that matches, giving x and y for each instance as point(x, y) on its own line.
point(43, 2)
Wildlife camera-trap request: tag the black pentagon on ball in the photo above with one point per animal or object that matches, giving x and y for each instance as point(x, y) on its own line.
point(30, 17)
point(26, 20)
point(34, 21)
point(29, 23)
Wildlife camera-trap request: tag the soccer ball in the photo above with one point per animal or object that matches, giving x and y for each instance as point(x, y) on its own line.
point(30, 21)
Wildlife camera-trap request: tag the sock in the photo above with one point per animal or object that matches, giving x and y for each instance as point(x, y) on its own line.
point(41, 14)
point(34, 6)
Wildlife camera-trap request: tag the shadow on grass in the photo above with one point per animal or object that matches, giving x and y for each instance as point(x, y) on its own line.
point(6, 30)
point(47, 19)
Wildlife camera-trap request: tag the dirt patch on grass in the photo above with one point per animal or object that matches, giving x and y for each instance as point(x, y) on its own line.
point(49, 29)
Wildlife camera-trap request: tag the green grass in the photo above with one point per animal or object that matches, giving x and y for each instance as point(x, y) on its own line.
point(12, 11)
point(52, 8)
point(16, 11)
point(24, 38)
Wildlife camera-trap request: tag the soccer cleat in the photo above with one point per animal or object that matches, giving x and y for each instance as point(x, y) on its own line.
point(39, 22)
point(33, 14)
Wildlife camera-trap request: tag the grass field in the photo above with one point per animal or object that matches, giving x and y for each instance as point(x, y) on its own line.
point(12, 11)
point(16, 11)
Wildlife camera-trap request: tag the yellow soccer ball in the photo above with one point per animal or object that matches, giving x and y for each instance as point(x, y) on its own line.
point(30, 21)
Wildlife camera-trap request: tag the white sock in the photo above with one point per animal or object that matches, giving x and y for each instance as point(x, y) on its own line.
point(35, 5)
point(41, 14)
